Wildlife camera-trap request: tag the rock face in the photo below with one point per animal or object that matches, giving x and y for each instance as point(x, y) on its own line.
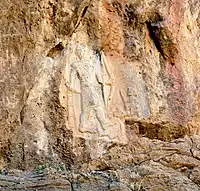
point(109, 89)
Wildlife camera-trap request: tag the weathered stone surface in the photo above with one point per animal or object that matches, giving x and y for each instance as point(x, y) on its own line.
point(34, 181)
point(108, 90)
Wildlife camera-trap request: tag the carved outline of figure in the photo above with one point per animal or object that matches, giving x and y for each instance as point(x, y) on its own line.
point(86, 71)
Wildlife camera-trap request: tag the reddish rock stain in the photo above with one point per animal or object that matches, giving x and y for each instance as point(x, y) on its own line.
point(177, 96)
point(175, 16)
point(177, 99)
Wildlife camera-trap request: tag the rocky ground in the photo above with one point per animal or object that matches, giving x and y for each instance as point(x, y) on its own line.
point(143, 165)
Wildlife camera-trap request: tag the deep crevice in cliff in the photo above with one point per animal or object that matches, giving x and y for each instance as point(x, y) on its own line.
point(162, 39)
point(84, 11)
point(154, 32)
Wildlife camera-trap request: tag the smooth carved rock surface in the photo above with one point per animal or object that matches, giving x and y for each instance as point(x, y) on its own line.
point(107, 89)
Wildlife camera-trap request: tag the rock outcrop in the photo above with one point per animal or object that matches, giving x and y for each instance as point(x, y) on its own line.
point(107, 89)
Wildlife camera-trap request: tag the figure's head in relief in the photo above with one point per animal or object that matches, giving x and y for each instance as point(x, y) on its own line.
point(83, 52)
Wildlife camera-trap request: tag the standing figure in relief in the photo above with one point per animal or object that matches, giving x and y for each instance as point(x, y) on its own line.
point(91, 89)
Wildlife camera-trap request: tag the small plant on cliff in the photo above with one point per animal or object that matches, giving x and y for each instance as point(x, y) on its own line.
point(40, 168)
point(3, 172)
point(59, 167)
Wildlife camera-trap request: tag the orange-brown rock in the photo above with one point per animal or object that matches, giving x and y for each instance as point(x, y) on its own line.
point(99, 94)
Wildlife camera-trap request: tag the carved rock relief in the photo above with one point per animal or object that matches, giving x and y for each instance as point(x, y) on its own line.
point(136, 103)
point(89, 85)
point(130, 95)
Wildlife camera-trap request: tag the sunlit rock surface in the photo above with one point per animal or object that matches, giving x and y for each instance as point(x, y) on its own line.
point(102, 94)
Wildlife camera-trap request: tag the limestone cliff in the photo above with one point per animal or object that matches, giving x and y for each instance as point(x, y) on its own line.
point(107, 92)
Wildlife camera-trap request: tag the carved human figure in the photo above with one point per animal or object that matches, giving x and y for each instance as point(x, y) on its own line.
point(87, 70)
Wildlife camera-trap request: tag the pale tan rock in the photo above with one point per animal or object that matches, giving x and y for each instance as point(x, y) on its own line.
point(102, 85)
